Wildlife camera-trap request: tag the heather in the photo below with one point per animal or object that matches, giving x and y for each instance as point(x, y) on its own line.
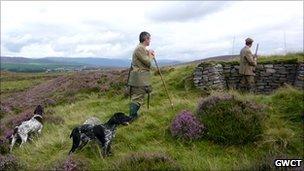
point(229, 120)
point(149, 139)
point(186, 126)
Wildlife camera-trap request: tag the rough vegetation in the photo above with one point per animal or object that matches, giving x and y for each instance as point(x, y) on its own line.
point(62, 89)
point(229, 120)
point(148, 139)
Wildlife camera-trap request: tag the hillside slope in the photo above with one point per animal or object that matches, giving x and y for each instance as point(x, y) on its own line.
point(150, 133)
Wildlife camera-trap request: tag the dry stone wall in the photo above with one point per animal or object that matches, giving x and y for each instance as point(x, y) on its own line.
point(269, 76)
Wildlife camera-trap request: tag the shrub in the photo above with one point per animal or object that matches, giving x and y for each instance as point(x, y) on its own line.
point(186, 126)
point(230, 120)
point(9, 162)
point(146, 161)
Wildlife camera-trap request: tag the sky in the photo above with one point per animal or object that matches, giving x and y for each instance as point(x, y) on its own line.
point(180, 30)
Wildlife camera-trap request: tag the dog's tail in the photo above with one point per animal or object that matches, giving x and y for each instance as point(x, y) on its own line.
point(75, 134)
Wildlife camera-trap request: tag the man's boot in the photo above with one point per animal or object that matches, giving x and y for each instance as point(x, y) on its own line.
point(134, 107)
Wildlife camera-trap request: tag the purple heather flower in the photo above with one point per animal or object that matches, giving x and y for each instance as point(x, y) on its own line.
point(187, 126)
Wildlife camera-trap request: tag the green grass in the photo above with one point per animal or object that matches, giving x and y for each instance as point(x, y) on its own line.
point(15, 86)
point(282, 131)
point(290, 57)
point(13, 76)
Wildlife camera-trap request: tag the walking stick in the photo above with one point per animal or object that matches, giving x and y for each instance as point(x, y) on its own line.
point(161, 76)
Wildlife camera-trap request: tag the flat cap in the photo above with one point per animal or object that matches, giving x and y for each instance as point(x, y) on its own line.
point(249, 40)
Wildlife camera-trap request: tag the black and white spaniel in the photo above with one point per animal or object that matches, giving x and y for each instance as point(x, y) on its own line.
point(26, 128)
point(103, 133)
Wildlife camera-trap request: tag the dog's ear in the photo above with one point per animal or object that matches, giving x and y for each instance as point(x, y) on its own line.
point(36, 110)
point(39, 110)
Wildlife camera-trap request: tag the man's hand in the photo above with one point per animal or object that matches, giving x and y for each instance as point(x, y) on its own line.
point(151, 53)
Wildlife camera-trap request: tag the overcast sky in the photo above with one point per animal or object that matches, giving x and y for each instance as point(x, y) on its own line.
point(180, 30)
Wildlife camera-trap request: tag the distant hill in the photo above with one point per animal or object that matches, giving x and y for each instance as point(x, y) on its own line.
point(21, 64)
point(92, 61)
point(214, 58)
point(5, 59)
point(104, 62)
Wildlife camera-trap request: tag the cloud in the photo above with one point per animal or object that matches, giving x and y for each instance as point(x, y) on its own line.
point(36, 50)
point(180, 30)
point(15, 43)
point(184, 11)
point(91, 38)
point(188, 52)
point(104, 50)
point(101, 44)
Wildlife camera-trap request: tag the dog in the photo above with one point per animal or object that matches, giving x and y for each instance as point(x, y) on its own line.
point(26, 128)
point(103, 133)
